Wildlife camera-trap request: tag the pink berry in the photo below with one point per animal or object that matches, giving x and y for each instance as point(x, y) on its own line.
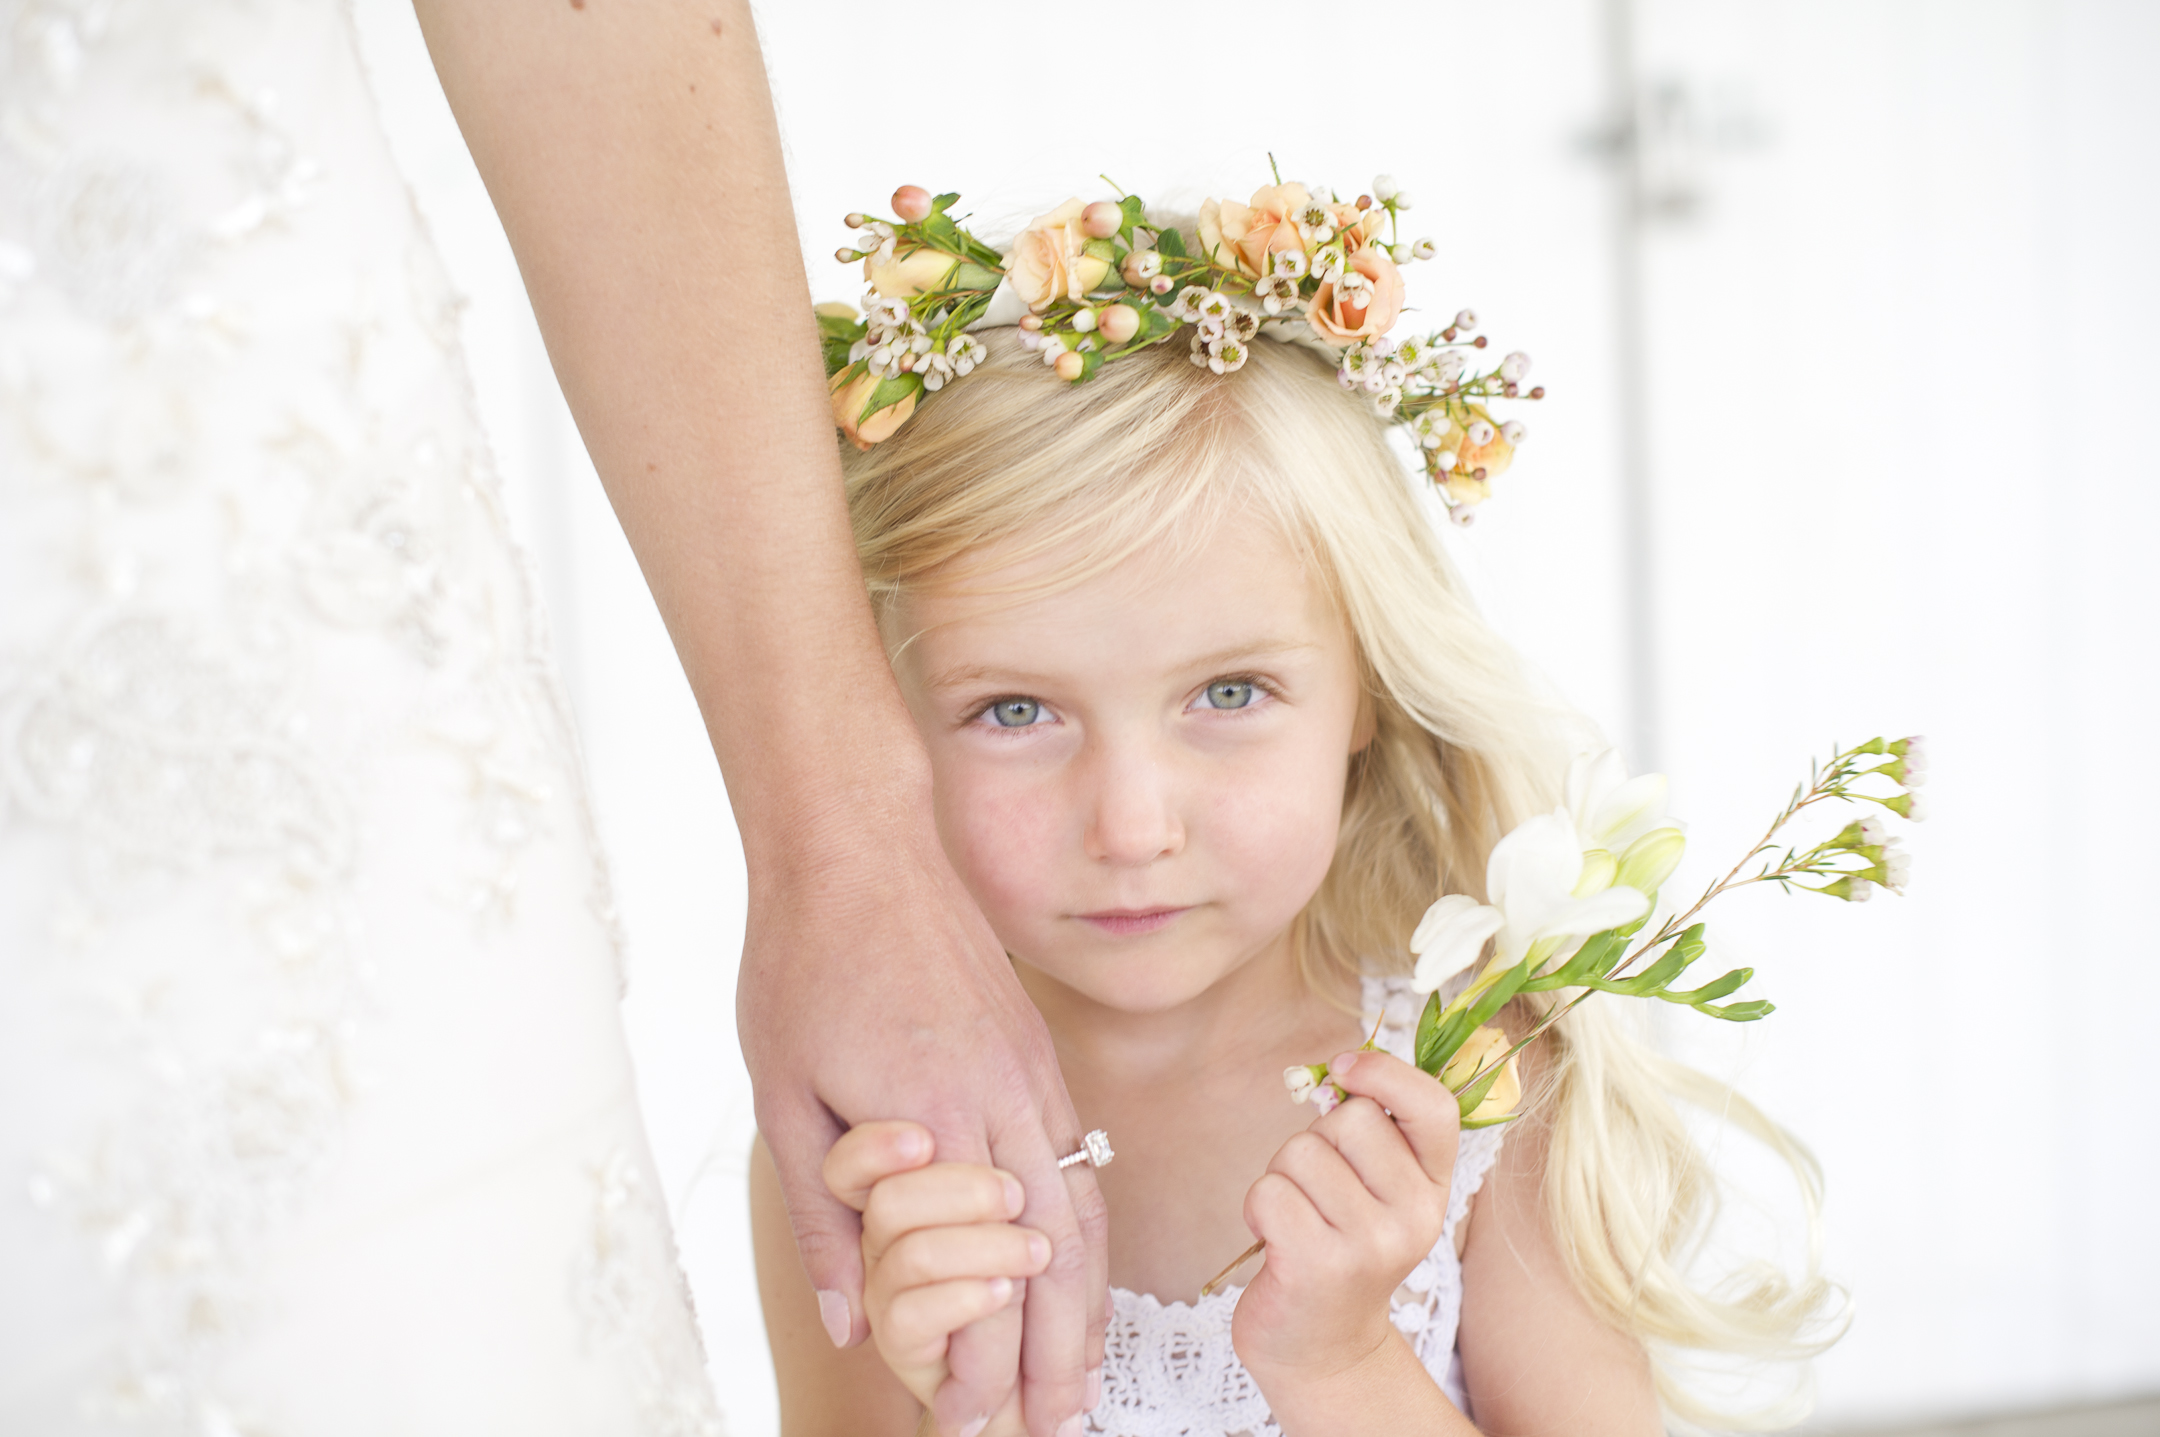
point(1101, 219)
point(911, 203)
point(1119, 323)
point(1071, 365)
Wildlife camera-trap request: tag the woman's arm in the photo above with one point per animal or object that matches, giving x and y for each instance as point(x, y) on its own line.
point(633, 155)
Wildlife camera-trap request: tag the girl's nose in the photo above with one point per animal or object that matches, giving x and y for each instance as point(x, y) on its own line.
point(1133, 817)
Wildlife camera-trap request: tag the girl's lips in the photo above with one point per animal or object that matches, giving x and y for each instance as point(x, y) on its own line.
point(1130, 922)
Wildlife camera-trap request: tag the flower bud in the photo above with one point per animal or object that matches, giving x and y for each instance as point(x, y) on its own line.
point(1852, 888)
point(1599, 868)
point(1479, 1050)
point(911, 203)
point(1084, 321)
point(855, 220)
point(1513, 432)
point(1384, 188)
point(1466, 321)
point(1071, 365)
point(1101, 220)
point(1304, 1080)
point(1140, 266)
point(1161, 284)
point(1119, 323)
point(1424, 249)
point(1651, 859)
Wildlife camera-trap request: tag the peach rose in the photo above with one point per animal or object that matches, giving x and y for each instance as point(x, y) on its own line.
point(910, 272)
point(1242, 236)
point(849, 397)
point(1050, 260)
point(1339, 323)
point(1478, 1050)
point(1356, 228)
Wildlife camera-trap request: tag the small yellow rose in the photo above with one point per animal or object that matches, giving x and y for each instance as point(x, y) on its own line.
point(910, 272)
point(1050, 259)
point(1493, 456)
point(1478, 1050)
point(849, 397)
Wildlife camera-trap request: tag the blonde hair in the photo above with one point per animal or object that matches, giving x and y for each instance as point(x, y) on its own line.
point(1010, 466)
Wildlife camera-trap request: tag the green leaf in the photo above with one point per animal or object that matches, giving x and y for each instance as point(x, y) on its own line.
point(1593, 960)
point(1428, 1024)
point(1473, 1124)
point(1170, 242)
point(971, 275)
point(1715, 988)
point(941, 203)
point(890, 391)
point(1739, 1012)
point(1467, 1100)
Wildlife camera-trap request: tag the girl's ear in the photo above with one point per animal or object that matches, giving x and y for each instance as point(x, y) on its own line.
point(1368, 722)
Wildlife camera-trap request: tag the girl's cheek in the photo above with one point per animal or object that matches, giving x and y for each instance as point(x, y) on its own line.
point(1002, 837)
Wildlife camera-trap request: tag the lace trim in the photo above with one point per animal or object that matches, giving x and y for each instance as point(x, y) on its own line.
point(1169, 1369)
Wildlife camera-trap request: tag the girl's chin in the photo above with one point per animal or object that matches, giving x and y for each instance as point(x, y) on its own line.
point(1128, 978)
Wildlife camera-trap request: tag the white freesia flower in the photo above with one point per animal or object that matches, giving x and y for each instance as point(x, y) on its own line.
point(1610, 809)
point(1532, 876)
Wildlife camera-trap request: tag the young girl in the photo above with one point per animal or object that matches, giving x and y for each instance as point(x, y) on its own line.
point(1211, 724)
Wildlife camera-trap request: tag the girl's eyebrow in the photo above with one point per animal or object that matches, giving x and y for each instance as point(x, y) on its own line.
point(961, 675)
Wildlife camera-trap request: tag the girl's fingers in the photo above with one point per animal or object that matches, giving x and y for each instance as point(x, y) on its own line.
point(868, 1153)
point(1281, 1214)
point(1326, 1179)
point(941, 1195)
point(1376, 1149)
point(919, 1322)
point(1422, 1106)
point(941, 1254)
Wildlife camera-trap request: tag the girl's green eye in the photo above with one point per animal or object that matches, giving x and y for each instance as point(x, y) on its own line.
point(1229, 694)
point(1015, 713)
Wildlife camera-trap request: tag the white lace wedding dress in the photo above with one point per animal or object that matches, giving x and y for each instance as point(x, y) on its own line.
point(315, 1115)
point(1169, 1369)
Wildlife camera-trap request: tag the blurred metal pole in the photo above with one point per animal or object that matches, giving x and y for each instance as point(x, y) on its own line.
point(1628, 216)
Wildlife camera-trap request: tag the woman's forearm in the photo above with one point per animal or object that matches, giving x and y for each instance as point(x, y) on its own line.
point(632, 153)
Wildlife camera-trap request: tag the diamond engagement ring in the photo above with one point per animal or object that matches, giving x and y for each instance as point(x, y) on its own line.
point(1094, 1151)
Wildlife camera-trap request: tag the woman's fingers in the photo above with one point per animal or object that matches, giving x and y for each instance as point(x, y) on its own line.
point(869, 1153)
point(941, 1195)
point(1424, 1111)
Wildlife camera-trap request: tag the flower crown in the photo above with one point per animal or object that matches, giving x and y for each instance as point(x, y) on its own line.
point(1088, 284)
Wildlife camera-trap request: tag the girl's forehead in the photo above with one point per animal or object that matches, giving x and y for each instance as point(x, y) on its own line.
point(1239, 586)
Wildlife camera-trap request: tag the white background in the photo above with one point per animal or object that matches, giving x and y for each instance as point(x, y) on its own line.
point(1899, 353)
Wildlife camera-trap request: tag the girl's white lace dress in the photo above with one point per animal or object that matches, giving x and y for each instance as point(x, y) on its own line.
point(1169, 1370)
point(315, 1115)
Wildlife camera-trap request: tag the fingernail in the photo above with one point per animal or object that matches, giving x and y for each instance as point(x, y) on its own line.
point(914, 1145)
point(976, 1426)
point(839, 1322)
point(1341, 1064)
point(1001, 1290)
point(1038, 1249)
point(1094, 1388)
point(1015, 1197)
point(1070, 1427)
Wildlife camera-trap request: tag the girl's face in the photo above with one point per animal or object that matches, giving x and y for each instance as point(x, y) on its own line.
point(1140, 778)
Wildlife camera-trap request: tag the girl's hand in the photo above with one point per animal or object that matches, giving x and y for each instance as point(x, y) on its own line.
point(940, 1252)
point(1347, 1208)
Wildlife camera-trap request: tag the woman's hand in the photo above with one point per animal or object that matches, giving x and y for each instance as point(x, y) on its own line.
point(941, 1252)
point(1347, 1208)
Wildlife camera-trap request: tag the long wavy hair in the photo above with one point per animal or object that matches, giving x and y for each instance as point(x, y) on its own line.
point(1015, 465)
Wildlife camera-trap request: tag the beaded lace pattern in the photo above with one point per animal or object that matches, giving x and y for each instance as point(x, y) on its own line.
point(1169, 1369)
point(301, 917)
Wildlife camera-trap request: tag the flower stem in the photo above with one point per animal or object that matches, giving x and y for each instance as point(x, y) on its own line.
point(1208, 1288)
